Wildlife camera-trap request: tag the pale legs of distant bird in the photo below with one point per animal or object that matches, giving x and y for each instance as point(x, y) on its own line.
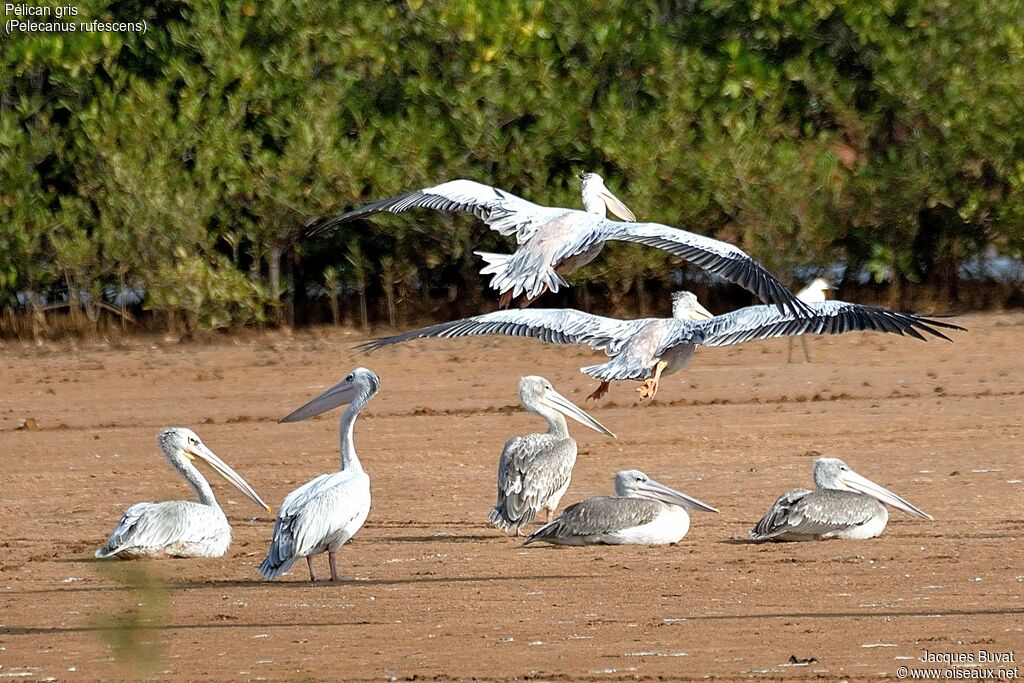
point(789, 349)
point(332, 559)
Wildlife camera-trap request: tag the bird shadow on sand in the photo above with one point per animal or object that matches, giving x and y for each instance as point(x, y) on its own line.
point(454, 538)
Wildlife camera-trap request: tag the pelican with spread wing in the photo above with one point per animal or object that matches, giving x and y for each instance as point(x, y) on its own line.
point(645, 349)
point(554, 241)
point(179, 528)
point(844, 505)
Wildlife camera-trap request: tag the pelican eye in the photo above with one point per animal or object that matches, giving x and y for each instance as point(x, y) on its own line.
point(350, 378)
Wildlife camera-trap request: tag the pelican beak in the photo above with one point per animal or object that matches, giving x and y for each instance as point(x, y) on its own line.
point(652, 489)
point(869, 488)
point(555, 400)
point(613, 204)
point(338, 395)
point(700, 313)
point(220, 467)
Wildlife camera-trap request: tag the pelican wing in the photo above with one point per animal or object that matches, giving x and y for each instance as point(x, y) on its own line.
point(715, 256)
point(597, 517)
point(159, 525)
point(827, 317)
point(800, 512)
point(314, 514)
point(531, 469)
point(503, 212)
point(552, 325)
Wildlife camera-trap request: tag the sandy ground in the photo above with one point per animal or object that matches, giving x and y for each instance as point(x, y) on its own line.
point(437, 593)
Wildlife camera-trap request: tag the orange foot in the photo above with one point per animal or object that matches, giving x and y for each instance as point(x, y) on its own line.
point(506, 299)
point(601, 390)
point(648, 390)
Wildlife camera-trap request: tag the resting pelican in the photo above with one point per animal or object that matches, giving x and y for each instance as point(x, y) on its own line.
point(554, 241)
point(642, 512)
point(815, 292)
point(323, 514)
point(845, 505)
point(646, 349)
point(179, 528)
point(534, 470)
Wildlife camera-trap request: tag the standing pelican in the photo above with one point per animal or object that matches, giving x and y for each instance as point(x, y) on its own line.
point(534, 470)
point(815, 292)
point(647, 348)
point(553, 241)
point(845, 505)
point(642, 512)
point(179, 528)
point(323, 514)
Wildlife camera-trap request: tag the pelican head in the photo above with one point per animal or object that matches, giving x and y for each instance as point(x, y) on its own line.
point(686, 307)
point(358, 388)
point(816, 291)
point(537, 395)
point(636, 484)
point(598, 199)
point(833, 473)
point(181, 445)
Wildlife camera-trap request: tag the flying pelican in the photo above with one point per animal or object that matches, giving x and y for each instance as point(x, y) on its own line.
point(554, 241)
point(179, 528)
point(815, 292)
point(845, 505)
point(323, 514)
point(647, 348)
point(642, 512)
point(534, 470)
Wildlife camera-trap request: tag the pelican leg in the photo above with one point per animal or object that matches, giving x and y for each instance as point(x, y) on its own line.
point(527, 300)
point(312, 572)
point(649, 389)
point(601, 390)
point(807, 353)
point(506, 299)
point(789, 350)
point(332, 558)
point(519, 531)
point(547, 520)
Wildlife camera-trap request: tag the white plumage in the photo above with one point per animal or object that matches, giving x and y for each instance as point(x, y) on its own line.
point(323, 514)
point(554, 241)
point(179, 528)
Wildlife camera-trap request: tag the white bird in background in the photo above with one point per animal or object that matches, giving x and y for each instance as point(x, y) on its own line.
point(554, 241)
point(814, 293)
point(642, 512)
point(323, 514)
point(534, 470)
point(845, 505)
point(179, 528)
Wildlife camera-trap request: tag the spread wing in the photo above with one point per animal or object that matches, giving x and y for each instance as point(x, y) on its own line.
point(826, 317)
point(814, 513)
point(552, 325)
point(598, 516)
point(531, 469)
point(721, 258)
point(502, 212)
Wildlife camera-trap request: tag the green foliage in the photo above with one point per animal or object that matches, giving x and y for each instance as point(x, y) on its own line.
point(185, 161)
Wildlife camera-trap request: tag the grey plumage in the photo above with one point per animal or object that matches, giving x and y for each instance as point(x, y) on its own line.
point(844, 505)
point(534, 470)
point(637, 347)
point(642, 512)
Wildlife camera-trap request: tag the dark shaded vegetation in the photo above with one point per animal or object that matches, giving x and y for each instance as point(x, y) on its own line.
point(164, 178)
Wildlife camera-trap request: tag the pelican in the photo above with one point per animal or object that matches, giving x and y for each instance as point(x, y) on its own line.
point(646, 349)
point(179, 528)
point(815, 292)
point(555, 241)
point(845, 505)
point(642, 512)
point(534, 470)
point(323, 514)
